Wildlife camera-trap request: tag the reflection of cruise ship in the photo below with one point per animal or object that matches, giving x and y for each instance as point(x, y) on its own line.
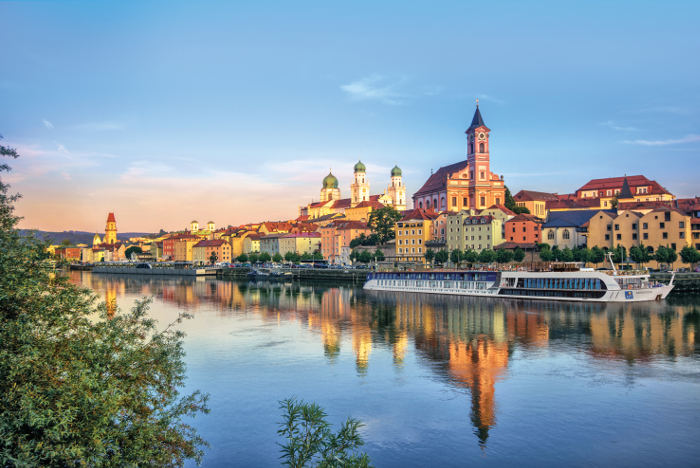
point(582, 285)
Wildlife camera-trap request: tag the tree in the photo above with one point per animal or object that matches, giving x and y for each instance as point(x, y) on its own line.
point(546, 255)
point(441, 256)
point(365, 256)
point(566, 255)
point(213, 258)
point(518, 255)
point(310, 441)
point(470, 256)
point(242, 258)
point(619, 254)
point(487, 256)
point(277, 257)
point(639, 254)
point(504, 255)
point(521, 209)
point(429, 255)
point(254, 257)
point(665, 255)
point(66, 242)
point(597, 255)
point(455, 256)
point(379, 255)
point(292, 257)
point(509, 201)
point(132, 249)
point(306, 256)
point(317, 255)
point(382, 222)
point(690, 255)
point(106, 388)
point(264, 257)
point(582, 254)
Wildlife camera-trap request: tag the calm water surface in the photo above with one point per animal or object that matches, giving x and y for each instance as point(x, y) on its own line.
point(438, 381)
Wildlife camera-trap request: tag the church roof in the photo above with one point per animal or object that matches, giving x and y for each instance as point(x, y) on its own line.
point(477, 120)
point(625, 192)
point(438, 180)
point(419, 213)
point(110, 218)
point(532, 195)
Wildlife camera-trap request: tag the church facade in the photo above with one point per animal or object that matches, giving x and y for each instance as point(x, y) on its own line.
point(465, 185)
point(360, 200)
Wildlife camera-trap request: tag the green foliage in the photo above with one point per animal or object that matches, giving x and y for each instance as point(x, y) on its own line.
point(292, 257)
point(518, 255)
point(619, 254)
point(690, 255)
point(597, 255)
point(309, 440)
point(521, 210)
point(382, 223)
point(242, 258)
point(362, 239)
point(542, 246)
point(546, 255)
point(66, 242)
point(566, 255)
point(665, 255)
point(442, 256)
point(264, 257)
point(277, 257)
point(487, 256)
point(306, 256)
point(213, 258)
point(509, 201)
point(455, 256)
point(379, 255)
point(470, 256)
point(254, 257)
point(429, 255)
point(504, 256)
point(640, 254)
point(317, 255)
point(132, 249)
point(364, 256)
point(582, 255)
point(80, 387)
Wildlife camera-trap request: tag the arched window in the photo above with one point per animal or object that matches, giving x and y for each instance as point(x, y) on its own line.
point(550, 236)
point(427, 204)
point(566, 234)
point(481, 147)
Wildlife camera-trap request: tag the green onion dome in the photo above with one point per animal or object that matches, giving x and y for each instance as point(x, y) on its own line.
point(359, 167)
point(330, 181)
point(396, 172)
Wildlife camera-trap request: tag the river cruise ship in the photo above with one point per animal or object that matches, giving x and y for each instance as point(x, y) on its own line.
point(581, 285)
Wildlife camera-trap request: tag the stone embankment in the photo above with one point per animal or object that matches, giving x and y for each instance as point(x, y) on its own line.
point(312, 274)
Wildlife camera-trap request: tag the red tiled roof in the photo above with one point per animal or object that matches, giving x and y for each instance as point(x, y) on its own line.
point(503, 208)
point(370, 204)
point(438, 180)
point(419, 213)
point(210, 243)
point(110, 218)
point(531, 195)
point(303, 234)
point(635, 205)
point(523, 217)
point(342, 203)
point(573, 203)
point(617, 182)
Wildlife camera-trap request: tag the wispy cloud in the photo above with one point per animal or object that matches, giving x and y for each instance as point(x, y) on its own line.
point(47, 124)
point(619, 127)
point(665, 109)
point(490, 98)
point(103, 126)
point(375, 88)
point(692, 138)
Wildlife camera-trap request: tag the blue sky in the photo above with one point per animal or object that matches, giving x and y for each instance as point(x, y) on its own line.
point(170, 111)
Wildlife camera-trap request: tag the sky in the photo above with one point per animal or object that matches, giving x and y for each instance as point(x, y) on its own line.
point(166, 112)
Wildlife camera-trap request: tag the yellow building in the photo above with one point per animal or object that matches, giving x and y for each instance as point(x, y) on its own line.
point(203, 251)
point(183, 248)
point(251, 244)
point(667, 227)
point(466, 232)
point(535, 202)
point(412, 232)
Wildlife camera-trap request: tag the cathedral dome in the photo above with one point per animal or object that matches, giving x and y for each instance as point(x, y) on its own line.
point(396, 172)
point(359, 167)
point(330, 181)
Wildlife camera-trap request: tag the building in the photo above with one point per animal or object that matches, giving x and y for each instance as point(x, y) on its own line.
point(331, 202)
point(110, 230)
point(524, 228)
point(667, 227)
point(69, 253)
point(567, 228)
point(300, 242)
point(535, 202)
point(270, 244)
point(412, 232)
point(203, 251)
point(336, 237)
point(466, 184)
point(251, 244)
point(635, 187)
point(467, 232)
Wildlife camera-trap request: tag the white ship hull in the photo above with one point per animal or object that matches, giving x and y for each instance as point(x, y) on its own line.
point(584, 286)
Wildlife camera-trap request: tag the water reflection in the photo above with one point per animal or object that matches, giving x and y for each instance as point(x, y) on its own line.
point(467, 342)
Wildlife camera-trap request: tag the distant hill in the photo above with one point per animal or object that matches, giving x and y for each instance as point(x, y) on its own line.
point(78, 237)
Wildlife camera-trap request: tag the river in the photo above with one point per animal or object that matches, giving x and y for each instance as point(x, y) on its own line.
point(437, 381)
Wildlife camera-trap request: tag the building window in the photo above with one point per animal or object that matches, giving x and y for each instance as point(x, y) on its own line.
point(482, 175)
point(550, 235)
point(464, 201)
point(481, 147)
point(662, 225)
point(681, 234)
point(681, 224)
point(566, 234)
point(617, 227)
point(607, 236)
point(645, 225)
point(483, 201)
point(420, 204)
point(665, 235)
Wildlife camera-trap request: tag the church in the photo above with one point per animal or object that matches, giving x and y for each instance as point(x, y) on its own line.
point(465, 185)
point(360, 199)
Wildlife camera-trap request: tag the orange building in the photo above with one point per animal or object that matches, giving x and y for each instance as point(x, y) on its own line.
point(336, 237)
point(535, 202)
point(524, 228)
point(467, 184)
point(203, 251)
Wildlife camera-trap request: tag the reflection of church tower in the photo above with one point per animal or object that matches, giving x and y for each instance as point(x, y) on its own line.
point(359, 190)
point(111, 299)
point(361, 345)
point(478, 364)
point(111, 230)
point(397, 190)
point(330, 190)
